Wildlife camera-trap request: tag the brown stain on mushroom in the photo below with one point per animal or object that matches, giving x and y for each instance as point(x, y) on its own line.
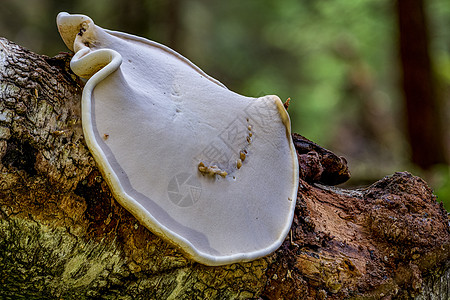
point(211, 170)
point(239, 163)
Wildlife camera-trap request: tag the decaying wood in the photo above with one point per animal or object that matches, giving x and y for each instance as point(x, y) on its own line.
point(63, 235)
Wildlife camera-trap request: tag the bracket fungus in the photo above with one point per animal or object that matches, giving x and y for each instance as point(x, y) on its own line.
point(209, 170)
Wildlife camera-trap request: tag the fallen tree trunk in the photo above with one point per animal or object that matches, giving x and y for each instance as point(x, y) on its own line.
point(63, 235)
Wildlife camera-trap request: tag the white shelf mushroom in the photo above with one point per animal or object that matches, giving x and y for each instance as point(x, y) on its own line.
point(207, 169)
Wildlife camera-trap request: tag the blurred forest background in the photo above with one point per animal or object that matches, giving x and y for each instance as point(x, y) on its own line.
point(368, 79)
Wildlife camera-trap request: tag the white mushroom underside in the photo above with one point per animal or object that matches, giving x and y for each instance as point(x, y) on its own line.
point(152, 122)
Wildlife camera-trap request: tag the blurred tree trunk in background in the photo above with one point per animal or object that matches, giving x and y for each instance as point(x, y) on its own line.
point(173, 23)
point(132, 16)
point(422, 108)
point(138, 16)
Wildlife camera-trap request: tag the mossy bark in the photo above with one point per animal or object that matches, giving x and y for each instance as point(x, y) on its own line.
point(62, 234)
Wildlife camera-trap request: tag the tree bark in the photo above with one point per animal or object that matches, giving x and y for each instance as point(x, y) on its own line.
point(63, 235)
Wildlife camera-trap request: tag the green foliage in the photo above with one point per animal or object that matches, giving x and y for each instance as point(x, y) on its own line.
point(441, 183)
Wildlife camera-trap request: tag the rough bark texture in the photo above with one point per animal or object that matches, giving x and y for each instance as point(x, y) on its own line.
point(63, 235)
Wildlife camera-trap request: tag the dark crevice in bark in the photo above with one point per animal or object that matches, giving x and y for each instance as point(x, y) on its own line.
point(20, 155)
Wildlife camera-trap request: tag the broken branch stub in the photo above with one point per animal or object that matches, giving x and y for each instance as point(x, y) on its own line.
point(209, 170)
